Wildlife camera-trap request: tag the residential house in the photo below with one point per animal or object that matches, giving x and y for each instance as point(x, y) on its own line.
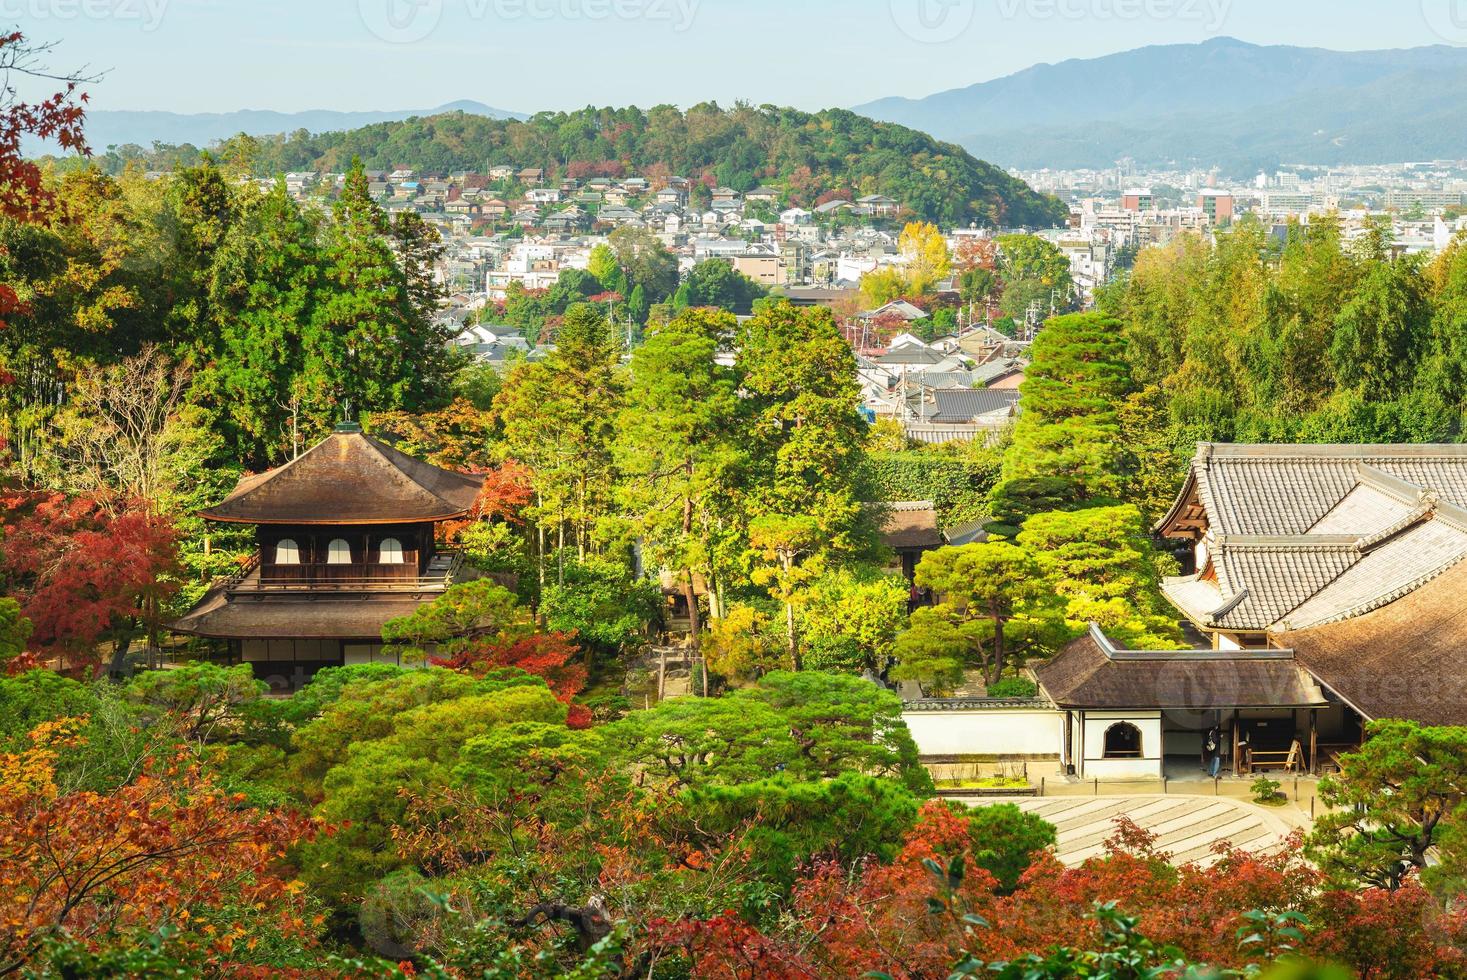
point(899, 308)
point(878, 204)
point(569, 220)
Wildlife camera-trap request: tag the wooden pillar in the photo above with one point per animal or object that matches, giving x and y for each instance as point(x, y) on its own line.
point(1235, 741)
point(1313, 742)
point(1069, 741)
point(1082, 744)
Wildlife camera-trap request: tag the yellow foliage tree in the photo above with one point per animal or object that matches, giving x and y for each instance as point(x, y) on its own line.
point(883, 285)
point(925, 250)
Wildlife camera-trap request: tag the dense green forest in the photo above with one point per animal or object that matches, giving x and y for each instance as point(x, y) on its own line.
point(1312, 338)
point(808, 155)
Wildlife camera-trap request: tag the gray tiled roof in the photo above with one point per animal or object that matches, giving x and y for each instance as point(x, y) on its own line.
point(1303, 535)
point(912, 354)
point(1251, 489)
point(942, 379)
point(961, 404)
point(1272, 579)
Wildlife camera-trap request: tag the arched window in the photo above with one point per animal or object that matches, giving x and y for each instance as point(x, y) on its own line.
point(389, 552)
point(338, 552)
point(1122, 741)
point(287, 552)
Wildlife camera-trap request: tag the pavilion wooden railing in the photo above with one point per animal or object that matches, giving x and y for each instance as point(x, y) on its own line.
point(374, 577)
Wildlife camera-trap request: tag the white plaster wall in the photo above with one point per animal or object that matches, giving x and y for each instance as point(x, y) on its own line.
point(1122, 768)
point(1096, 722)
point(987, 731)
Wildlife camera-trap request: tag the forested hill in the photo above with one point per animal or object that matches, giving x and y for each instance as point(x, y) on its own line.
point(807, 155)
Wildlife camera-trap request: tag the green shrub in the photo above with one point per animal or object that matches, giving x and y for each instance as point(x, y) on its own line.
point(1266, 790)
point(1013, 687)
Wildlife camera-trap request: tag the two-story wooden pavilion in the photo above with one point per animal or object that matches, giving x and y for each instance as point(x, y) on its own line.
point(345, 542)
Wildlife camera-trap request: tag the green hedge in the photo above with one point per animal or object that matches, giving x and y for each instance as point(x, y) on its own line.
point(956, 484)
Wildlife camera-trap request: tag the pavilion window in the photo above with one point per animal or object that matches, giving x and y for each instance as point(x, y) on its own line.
point(287, 552)
point(389, 552)
point(1122, 741)
point(338, 552)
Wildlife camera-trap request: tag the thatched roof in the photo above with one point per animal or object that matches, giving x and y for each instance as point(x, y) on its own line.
point(1403, 660)
point(1093, 673)
point(349, 478)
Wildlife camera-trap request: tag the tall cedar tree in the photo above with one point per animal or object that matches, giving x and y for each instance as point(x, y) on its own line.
point(559, 417)
point(376, 348)
point(807, 443)
point(1072, 393)
point(263, 290)
point(678, 448)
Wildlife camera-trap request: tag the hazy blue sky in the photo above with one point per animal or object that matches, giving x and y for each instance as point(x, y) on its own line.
point(218, 55)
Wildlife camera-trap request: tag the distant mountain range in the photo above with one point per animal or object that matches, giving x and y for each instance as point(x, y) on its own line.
point(109, 127)
point(1225, 102)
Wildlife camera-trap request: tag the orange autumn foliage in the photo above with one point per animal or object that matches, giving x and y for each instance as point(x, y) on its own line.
point(880, 919)
point(168, 847)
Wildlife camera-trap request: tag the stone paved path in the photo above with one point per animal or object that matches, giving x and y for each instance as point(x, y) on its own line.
point(1187, 826)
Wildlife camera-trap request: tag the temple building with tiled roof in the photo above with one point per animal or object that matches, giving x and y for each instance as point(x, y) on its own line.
point(346, 541)
point(1290, 537)
point(1328, 581)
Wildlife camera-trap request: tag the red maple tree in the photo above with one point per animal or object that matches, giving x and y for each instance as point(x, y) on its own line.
point(552, 656)
point(86, 573)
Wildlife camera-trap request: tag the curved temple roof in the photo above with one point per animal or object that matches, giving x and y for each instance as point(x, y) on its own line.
point(349, 478)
